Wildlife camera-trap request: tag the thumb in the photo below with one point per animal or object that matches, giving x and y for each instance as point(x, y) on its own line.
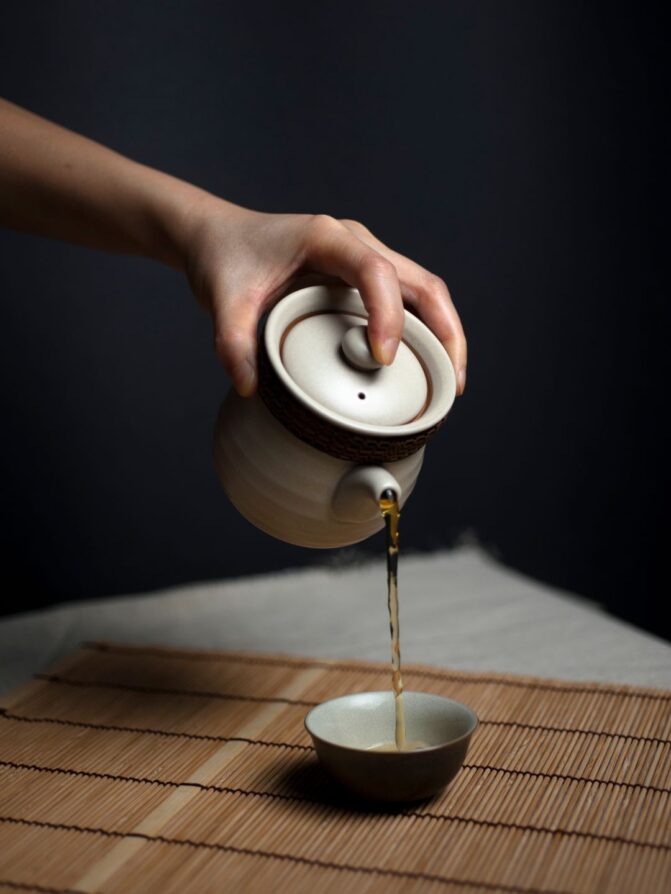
point(235, 323)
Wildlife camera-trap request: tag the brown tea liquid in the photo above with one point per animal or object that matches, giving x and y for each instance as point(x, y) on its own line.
point(391, 514)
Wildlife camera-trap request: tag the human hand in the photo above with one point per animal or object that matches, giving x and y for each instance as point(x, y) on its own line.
point(240, 262)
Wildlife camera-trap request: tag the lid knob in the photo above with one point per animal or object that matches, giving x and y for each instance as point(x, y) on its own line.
point(356, 348)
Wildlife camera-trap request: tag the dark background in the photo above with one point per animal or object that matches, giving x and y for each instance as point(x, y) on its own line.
point(513, 148)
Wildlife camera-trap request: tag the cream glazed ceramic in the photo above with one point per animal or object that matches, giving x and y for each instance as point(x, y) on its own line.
point(344, 731)
point(328, 389)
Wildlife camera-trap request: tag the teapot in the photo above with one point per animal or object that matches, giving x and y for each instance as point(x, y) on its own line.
point(308, 457)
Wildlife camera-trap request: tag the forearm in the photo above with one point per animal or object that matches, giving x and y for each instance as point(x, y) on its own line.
point(56, 183)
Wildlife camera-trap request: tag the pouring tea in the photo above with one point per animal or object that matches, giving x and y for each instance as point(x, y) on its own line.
point(331, 447)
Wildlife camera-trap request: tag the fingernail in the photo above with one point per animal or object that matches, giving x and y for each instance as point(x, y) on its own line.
point(461, 379)
point(245, 378)
point(388, 350)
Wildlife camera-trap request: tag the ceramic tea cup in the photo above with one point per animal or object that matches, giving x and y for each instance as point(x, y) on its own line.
point(345, 729)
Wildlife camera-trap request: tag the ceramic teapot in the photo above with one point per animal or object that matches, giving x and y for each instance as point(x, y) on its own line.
point(307, 458)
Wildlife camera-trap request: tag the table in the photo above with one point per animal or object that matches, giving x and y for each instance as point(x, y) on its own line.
point(459, 609)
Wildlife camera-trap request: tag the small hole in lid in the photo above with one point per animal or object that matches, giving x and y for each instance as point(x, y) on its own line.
point(361, 395)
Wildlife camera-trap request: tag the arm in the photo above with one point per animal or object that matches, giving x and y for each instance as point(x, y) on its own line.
point(239, 262)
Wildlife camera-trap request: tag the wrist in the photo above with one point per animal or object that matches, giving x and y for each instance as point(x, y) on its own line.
point(180, 212)
point(169, 210)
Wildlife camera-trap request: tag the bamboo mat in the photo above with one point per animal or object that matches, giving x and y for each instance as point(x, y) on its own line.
point(154, 770)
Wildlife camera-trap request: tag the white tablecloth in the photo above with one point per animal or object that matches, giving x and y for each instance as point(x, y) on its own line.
point(459, 609)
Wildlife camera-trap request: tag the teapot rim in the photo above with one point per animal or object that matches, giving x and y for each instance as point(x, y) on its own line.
point(419, 338)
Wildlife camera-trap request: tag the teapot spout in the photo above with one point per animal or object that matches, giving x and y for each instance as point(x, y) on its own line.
point(357, 496)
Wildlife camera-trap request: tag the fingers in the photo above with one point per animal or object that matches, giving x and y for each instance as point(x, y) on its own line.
point(334, 250)
point(429, 296)
point(347, 251)
point(433, 302)
point(235, 322)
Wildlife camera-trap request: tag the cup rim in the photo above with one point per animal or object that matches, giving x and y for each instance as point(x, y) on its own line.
point(473, 717)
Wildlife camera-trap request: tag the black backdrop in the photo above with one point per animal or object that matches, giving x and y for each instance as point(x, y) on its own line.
point(512, 148)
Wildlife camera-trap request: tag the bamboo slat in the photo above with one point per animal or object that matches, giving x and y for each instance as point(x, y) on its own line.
point(156, 770)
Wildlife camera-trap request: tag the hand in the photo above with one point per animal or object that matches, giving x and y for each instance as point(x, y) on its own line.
point(240, 262)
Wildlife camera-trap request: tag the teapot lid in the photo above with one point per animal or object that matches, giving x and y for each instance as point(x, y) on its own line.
point(316, 341)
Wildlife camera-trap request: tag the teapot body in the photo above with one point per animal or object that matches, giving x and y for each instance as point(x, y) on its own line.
point(330, 430)
point(288, 488)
